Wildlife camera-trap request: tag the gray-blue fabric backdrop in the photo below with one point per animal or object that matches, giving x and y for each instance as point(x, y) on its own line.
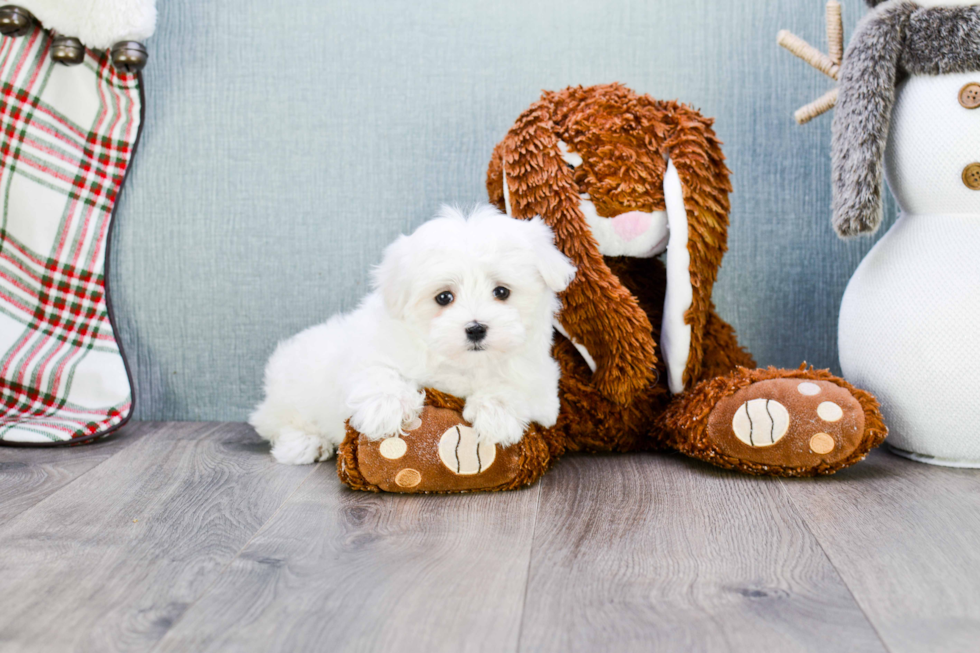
point(287, 142)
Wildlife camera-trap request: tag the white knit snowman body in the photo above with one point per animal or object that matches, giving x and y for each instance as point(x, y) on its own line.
point(909, 328)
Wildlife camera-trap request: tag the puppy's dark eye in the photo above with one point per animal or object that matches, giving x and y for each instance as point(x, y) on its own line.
point(570, 166)
point(501, 293)
point(444, 298)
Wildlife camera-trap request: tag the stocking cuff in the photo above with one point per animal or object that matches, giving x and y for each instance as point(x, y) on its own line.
point(96, 23)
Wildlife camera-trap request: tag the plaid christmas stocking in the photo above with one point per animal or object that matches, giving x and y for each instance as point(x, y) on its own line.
point(67, 135)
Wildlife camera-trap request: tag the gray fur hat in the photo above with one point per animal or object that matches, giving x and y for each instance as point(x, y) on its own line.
point(896, 39)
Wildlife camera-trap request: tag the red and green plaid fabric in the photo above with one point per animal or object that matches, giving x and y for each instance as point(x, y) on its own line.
point(66, 138)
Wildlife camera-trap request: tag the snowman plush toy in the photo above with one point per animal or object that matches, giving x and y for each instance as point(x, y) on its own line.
point(908, 110)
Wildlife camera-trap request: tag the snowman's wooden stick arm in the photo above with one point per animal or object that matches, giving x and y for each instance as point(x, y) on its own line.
point(808, 53)
point(828, 64)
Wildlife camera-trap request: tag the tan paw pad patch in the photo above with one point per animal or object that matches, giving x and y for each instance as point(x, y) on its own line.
point(808, 389)
point(829, 411)
point(393, 448)
point(821, 443)
point(408, 477)
point(461, 453)
point(760, 422)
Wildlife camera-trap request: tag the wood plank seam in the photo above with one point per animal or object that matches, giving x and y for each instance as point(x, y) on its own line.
point(806, 524)
point(530, 558)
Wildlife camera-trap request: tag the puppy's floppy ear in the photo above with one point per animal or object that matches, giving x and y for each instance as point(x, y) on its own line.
point(528, 175)
point(554, 267)
point(390, 278)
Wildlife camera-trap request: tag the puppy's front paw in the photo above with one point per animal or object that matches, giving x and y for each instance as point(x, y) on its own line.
point(493, 423)
point(550, 408)
point(383, 416)
point(295, 447)
point(379, 417)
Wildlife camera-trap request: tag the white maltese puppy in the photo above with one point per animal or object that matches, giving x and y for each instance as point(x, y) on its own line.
point(464, 305)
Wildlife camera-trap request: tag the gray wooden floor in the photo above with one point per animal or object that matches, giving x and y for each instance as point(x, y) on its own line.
point(187, 537)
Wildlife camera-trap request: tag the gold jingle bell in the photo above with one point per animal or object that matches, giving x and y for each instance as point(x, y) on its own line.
point(128, 56)
point(67, 50)
point(15, 21)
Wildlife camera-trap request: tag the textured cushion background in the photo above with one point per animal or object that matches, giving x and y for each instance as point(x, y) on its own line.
point(286, 143)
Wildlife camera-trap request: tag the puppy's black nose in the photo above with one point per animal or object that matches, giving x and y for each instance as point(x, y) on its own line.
point(475, 332)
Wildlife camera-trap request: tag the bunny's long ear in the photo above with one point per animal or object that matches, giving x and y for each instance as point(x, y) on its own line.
point(861, 120)
point(598, 312)
point(695, 153)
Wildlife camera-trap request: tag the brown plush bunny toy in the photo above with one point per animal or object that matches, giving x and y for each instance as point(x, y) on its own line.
point(646, 362)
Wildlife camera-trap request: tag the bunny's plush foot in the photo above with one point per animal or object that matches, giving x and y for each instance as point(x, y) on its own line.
point(440, 452)
point(773, 422)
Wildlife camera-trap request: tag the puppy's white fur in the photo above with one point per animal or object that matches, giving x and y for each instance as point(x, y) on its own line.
point(371, 364)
